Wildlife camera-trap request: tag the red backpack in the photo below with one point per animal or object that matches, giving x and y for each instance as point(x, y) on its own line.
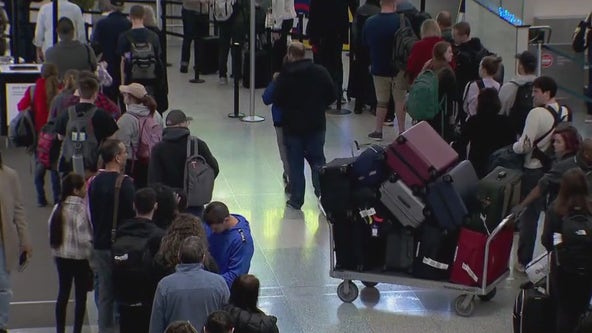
point(46, 144)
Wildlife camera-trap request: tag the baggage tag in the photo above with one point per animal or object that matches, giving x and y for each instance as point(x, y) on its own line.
point(374, 230)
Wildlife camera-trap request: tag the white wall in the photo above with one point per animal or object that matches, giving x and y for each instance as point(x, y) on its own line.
point(546, 8)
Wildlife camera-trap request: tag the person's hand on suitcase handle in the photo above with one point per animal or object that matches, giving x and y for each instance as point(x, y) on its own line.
point(517, 211)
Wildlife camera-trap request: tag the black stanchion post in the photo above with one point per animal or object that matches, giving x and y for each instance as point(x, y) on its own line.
point(163, 20)
point(196, 47)
point(236, 62)
point(55, 22)
point(15, 28)
point(422, 5)
point(301, 27)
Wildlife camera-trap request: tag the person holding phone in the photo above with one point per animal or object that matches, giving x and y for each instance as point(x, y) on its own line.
point(15, 240)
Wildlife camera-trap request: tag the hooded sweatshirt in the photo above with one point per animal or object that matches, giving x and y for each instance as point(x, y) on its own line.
point(467, 64)
point(303, 92)
point(232, 249)
point(167, 161)
point(129, 125)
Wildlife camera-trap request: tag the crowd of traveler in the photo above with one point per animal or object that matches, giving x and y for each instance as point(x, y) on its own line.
point(128, 226)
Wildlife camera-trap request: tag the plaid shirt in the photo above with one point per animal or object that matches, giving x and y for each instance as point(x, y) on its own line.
point(77, 241)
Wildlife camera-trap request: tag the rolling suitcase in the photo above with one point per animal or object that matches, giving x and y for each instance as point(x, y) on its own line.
point(470, 256)
point(400, 250)
point(208, 54)
point(465, 180)
point(420, 155)
point(370, 167)
point(407, 208)
point(446, 204)
point(434, 253)
point(533, 311)
point(497, 193)
point(336, 187)
point(262, 69)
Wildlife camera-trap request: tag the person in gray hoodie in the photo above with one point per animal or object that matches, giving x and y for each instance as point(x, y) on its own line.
point(140, 106)
point(189, 294)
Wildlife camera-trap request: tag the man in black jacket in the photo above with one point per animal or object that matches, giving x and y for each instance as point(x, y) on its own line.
point(303, 91)
point(167, 160)
point(468, 52)
point(138, 235)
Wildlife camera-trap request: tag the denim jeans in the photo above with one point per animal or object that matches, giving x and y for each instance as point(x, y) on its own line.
point(530, 217)
point(40, 170)
point(329, 56)
point(101, 265)
point(5, 291)
point(300, 147)
point(195, 25)
point(280, 47)
point(228, 33)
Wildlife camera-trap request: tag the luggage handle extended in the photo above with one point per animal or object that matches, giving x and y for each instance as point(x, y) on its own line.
point(505, 222)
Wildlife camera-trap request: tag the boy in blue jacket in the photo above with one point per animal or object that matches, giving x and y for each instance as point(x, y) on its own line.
point(276, 114)
point(230, 241)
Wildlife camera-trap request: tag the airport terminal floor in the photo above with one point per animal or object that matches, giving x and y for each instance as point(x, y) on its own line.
point(291, 247)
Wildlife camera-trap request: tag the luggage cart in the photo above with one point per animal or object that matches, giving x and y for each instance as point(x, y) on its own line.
point(464, 304)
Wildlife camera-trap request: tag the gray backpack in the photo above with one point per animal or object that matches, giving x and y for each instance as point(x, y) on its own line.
point(143, 61)
point(199, 177)
point(80, 135)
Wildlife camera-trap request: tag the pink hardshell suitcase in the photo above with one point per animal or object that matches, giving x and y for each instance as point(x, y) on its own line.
point(419, 155)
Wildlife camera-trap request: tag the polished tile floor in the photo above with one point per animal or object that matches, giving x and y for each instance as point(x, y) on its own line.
point(292, 247)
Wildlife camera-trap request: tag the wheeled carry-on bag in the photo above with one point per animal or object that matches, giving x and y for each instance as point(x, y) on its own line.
point(398, 198)
point(497, 193)
point(464, 180)
point(434, 253)
point(208, 54)
point(336, 187)
point(533, 310)
point(470, 256)
point(369, 169)
point(445, 204)
point(400, 250)
point(419, 155)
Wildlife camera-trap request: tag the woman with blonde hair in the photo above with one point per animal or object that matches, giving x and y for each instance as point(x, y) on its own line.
point(422, 50)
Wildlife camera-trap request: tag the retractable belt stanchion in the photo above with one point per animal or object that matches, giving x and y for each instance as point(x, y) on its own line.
point(252, 118)
point(235, 70)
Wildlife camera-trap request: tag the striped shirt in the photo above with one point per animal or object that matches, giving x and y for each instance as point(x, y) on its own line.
point(77, 230)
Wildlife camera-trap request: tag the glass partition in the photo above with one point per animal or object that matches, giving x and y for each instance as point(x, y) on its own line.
point(511, 11)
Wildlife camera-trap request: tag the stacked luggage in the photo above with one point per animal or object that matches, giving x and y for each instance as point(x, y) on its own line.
point(412, 207)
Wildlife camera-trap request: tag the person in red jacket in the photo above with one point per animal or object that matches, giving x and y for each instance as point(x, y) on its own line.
point(421, 51)
point(46, 89)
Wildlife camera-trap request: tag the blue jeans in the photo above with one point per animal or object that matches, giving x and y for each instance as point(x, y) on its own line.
point(101, 265)
point(5, 291)
point(530, 217)
point(40, 170)
point(310, 147)
point(195, 25)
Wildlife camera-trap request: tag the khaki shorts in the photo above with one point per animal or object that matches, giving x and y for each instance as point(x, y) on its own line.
point(385, 86)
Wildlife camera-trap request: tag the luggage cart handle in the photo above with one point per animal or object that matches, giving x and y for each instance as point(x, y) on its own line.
point(508, 219)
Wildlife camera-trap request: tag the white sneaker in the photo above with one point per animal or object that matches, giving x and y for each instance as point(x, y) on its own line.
point(223, 80)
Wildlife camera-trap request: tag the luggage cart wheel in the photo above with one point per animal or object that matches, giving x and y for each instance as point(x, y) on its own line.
point(464, 305)
point(489, 296)
point(347, 291)
point(369, 284)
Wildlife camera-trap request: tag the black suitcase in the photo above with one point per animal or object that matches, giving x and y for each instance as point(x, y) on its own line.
point(208, 54)
point(400, 250)
point(533, 311)
point(336, 187)
point(358, 247)
point(434, 252)
point(262, 69)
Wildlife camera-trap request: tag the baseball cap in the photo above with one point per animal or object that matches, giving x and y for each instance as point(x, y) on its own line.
point(526, 58)
point(135, 89)
point(176, 117)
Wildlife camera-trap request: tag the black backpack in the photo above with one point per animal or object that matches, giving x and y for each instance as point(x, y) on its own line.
point(573, 253)
point(403, 42)
point(131, 269)
point(143, 61)
point(523, 103)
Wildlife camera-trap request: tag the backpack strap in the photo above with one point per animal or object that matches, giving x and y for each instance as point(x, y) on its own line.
point(556, 120)
point(480, 84)
point(118, 183)
point(402, 24)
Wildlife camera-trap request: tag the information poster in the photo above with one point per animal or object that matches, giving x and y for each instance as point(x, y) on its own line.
point(14, 93)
